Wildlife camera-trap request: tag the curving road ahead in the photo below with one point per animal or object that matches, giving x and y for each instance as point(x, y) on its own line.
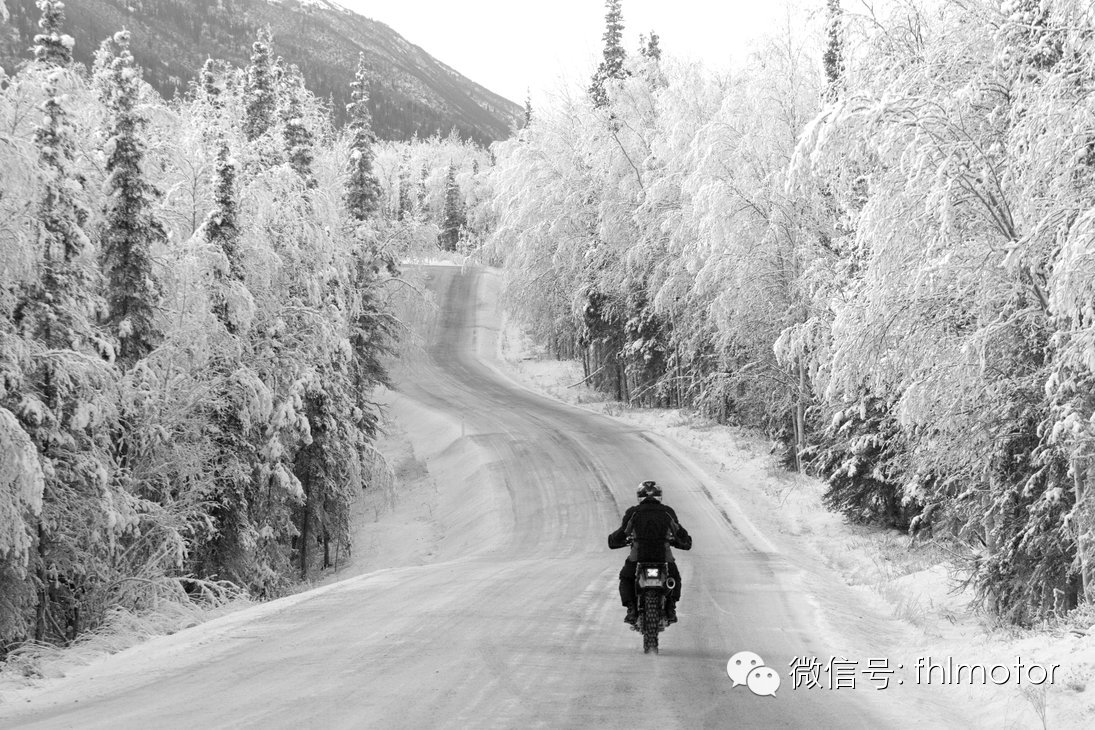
point(516, 622)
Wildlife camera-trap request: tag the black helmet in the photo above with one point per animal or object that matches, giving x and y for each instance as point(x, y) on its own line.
point(649, 488)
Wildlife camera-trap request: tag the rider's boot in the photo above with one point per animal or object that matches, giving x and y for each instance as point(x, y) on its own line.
point(632, 614)
point(671, 612)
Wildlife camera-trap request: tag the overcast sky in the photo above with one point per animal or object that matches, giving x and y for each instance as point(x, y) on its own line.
point(513, 45)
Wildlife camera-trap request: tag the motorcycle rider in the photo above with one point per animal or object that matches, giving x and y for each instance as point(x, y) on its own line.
point(651, 528)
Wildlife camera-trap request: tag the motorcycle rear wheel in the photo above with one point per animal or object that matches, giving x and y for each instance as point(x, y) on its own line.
point(651, 621)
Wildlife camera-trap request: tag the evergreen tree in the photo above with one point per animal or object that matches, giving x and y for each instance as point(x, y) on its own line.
point(221, 229)
point(833, 58)
point(862, 457)
point(362, 189)
point(612, 65)
point(132, 230)
point(528, 109)
point(61, 215)
point(58, 389)
point(454, 217)
point(51, 46)
point(422, 206)
point(651, 69)
point(649, 48)
point(207, 80)
point(260, 95)
point(299, 141)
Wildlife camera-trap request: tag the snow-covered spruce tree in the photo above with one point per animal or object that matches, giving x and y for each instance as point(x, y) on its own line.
point(647, 337)
point(453, 216)
point(833, 58)
point(131, 231)
point(421, 193)
point(299, 140)
point(290, 348)
point(612, 64)
point(207, 82)
point(52, 47)
point(362, 189)
point(224, 546)
point(861, 456)
point(210, 94)
point(342, 422)
point(370, 324)
point(222, 230)
point(1026, 567)
point(62, 398)
point(602, 338)
point(650, 67)
point(261, 92)
point(649, 47)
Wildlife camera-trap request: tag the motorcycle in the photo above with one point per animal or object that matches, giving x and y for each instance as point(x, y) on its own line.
point(653, 584)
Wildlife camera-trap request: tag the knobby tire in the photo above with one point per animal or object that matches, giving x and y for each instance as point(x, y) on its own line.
point(651, 621)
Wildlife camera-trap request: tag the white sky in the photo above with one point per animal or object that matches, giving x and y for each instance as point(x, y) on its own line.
point(509, 46)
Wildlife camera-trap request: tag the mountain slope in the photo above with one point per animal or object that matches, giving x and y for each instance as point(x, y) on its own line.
point(413, 93)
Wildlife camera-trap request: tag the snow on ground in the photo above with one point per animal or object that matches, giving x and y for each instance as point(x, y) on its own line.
point(913, 581)
point(35, 667)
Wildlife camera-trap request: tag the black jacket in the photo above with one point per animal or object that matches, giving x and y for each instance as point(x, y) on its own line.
point(653, 549)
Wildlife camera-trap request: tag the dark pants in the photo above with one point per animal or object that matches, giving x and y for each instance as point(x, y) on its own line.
point(627, 584)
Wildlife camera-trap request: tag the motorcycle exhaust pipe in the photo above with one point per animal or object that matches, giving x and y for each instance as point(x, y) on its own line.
point(670, 583)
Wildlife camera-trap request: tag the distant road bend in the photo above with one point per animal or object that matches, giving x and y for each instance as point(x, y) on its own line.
point(517, 622)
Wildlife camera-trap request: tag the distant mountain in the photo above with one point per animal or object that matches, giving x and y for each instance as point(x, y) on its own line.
point(412, 93)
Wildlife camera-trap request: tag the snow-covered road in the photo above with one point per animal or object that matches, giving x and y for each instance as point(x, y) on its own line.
point(515, 622)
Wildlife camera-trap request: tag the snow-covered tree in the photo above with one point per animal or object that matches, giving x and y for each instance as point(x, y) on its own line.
point(62, 394)
point(131, 230)
point(649, 47)
point(221, 229)
point(362, 188)
point(299, 140)
point(207, 82)
point(612, 63)
point(230, 392)
point(833, 58)
point(453, 216)
point(52, 47)
point(944, 298)
point(261, 95)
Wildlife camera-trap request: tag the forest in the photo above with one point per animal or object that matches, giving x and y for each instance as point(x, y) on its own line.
point(196, 310)
point(873, 241)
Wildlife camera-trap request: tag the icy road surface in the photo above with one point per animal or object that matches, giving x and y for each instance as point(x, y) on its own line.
point(515, 622)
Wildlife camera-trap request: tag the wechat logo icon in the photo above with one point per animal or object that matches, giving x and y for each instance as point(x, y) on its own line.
point(749, 669)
